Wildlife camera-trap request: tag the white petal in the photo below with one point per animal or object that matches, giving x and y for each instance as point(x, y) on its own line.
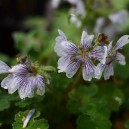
point(72, 68)
point(7, 81)
point(15, 83)
point(59, 39)
point(109, 48)
point(88, 70)
point(40, 85)
point(20, 68)
point(101, 68)
point(99, 53)
point(108, 71)
point(121, 42)
point(62, 34)
point(86, 40)
point(69, 48)
point(58, 49)
point(120, 58)
point(3, 67)
point(27, 88)
point(63, 63)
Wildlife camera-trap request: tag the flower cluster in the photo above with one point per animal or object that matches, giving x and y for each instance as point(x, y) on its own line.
point(113, 55)
point(86, 55)
point(23, 77)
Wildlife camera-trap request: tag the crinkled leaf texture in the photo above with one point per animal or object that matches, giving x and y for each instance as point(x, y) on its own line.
point(5, 100)
point(85, 122)
point(33, 124)
point(80, 98)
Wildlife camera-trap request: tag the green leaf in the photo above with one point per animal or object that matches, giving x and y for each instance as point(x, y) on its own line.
point(111, 95)
point(4, 104)
point(84, 122)
point(80, 97)
point(33, 124)
point(5, 100)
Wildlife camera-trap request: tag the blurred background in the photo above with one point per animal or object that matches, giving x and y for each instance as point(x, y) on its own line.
point(29, 27)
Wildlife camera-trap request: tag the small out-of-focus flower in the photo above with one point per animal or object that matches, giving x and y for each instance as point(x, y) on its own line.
point(113, 55)
point(113, 25)
point(74, 19)
point(77, 12)
point(24, 77)
point(71, 56)
point(79, 8)
point(28, 117)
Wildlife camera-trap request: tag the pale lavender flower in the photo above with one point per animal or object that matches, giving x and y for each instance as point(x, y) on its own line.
point(72, 57)
point(24, 78)
point(74, 19)
point(113, 55)
point(78, 9)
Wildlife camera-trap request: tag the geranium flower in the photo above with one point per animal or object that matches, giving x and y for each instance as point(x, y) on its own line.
point(72, 57)
point(24, 78)
point(113, 55)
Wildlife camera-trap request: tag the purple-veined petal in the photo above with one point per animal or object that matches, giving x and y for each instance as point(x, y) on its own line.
point(62, 34)
point(72, 68)
point(97, 73)
point(120, 58)
point(7, 81)
point(3, 67)
point(121, 42)
point(88, 70)
point(86, 40)
point(62, 63)
point(69, 48)
point(108, 71)
point(26, 88)
point(59, 39)
point(40, 85)
point(58, 49)
point(15, 83)
point(20, 68)
point(64, 47)
point(101, 68)
point(109, 48)
point(99, 53)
